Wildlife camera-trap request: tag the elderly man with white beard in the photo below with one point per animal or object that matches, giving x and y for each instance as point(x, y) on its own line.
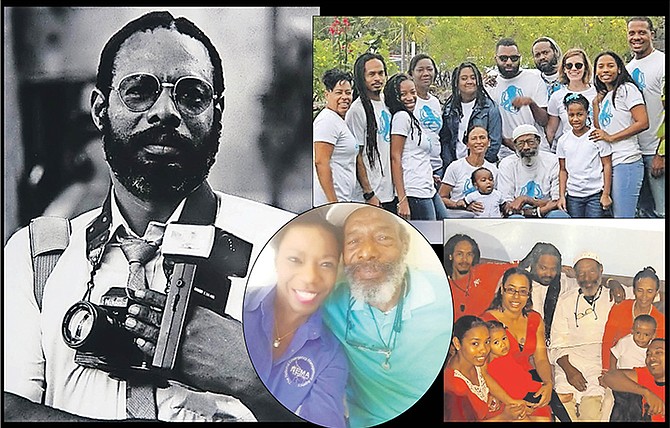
point(393, 320)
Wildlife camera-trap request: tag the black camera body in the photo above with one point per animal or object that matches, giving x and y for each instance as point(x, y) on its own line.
point(198, 267)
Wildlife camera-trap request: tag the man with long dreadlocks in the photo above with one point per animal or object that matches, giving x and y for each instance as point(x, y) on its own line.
point(370, 121)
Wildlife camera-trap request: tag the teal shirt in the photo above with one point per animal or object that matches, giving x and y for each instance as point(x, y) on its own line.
point(376, 394)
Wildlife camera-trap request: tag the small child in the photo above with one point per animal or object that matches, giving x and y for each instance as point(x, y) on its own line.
point(585, 166)
point(490, 198)
point(628, 353)
point(510, 375)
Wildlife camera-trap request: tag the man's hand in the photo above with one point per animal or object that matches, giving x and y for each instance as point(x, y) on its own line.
point(617, 293)
point(576, 379)
point(656, 404)
point(374, 201)
point(144, 318)
point(657, 166)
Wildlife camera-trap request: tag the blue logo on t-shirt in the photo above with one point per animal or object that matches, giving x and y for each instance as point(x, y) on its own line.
point(299, 371)
point(532, 189)
point(605, 116)
point(553, 87)
point(468, 187)
point(638, 76)
point(385, 128)
point(507, 97)
point(429, 120)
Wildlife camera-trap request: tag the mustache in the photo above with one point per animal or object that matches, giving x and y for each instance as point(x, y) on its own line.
point(371, 265)
point(160, 135)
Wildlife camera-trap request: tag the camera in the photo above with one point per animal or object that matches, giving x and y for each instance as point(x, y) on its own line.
point(97, 334)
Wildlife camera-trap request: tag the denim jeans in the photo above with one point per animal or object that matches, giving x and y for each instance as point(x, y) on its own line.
point(440, 208)
point(652, 193)
point(556, 213)
point(626, 184)
point(585, 207)
point(421, 208)
point(391, 206)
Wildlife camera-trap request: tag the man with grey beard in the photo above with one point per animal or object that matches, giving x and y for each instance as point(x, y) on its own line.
point(387, 314)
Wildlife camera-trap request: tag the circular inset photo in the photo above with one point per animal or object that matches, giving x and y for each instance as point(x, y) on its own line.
point(348, 315)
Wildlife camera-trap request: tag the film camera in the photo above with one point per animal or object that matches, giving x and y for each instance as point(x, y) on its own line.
point(198, 262)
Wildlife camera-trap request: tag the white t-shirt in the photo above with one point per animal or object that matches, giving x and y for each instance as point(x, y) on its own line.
point(429, 114)
point(380, 176)
point(526, 84)
point(613, 120)
point(539, 293)
point(649, 73)
point(491, 203)
point(461, 147)
point(459, 176)
point(329, 127)
point(417, 173)
point(628, 354)
point(539, 180)
point(583, 163)
point(557, 108)
point(39, 362)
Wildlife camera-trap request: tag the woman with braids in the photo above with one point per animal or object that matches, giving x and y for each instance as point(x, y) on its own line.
point(620, 114)
point(410, 159)
point(468, 105)
point(369, 120)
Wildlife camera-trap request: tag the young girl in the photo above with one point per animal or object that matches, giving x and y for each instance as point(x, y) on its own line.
point(585, 166)
point(620, 113)
point(510, 375)
point(411, 171)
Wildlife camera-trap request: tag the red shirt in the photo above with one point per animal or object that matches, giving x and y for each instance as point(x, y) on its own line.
point(522, 356)
point(473, 293)
point(620, 323)
point(515, 380)
point(645, 379)
point(457, 387)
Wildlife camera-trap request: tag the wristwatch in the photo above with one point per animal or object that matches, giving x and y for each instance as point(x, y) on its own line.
point(369, 195)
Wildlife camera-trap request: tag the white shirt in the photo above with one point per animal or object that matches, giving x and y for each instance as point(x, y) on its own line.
point(539, 180)
point(526, 84)
point(539, 293)
point(613, 120)
point(380, 176)
point(416, 169)
point(557, 108)
point(583, 162)
point(649, 73)
point(580, 339)
point(459, 176)
point(429, 114)
point(329, 127)
point(490, 201)
point(628, 354)
point(461, 147)
point(38, 362)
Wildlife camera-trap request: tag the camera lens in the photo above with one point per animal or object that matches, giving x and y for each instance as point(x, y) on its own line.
point(79, 323)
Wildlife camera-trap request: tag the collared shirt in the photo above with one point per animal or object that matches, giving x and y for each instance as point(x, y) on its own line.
point(376, 394)
point(37, 363)
point(309, 377)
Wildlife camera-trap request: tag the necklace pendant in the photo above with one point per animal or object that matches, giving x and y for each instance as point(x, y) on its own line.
point(386, 365)
point(276, 343)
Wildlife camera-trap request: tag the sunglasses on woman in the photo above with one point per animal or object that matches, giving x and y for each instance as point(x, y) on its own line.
point(577, 65)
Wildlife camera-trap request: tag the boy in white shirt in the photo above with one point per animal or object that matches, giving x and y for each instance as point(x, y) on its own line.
point(486, 195)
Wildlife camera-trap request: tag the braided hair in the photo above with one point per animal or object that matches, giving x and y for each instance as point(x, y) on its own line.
point(360, 90)
point(393, 102)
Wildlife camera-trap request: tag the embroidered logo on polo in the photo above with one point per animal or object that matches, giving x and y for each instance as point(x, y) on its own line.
point(507, 97)
point(299, 371)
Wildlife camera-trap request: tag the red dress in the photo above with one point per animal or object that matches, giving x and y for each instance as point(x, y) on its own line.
point(620, 323)
point(645, 379)
point(473, 293)
point(458, 392)
point(512, 372)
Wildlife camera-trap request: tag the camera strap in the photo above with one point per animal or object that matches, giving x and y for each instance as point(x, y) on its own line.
point(49, 236)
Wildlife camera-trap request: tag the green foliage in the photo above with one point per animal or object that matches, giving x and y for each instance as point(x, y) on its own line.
point(451, 40)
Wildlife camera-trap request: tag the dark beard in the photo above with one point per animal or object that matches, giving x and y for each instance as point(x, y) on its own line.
point(166, 178)
point(549, 67)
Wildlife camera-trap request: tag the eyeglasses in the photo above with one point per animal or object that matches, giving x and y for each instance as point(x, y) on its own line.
point(530, 142)
point(577, 65)
point(590, 310)
point(504, 58)
point(512, 291)
point(139, 91)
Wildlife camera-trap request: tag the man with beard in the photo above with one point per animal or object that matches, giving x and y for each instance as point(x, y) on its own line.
point(472, 284)
point(158, 103)
point(393, 320)
point(521, 96)
point(576, 343)
point(546, 55)
point(369, 120)
point(529, 180)
point(648, 382)
point(648, 70)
